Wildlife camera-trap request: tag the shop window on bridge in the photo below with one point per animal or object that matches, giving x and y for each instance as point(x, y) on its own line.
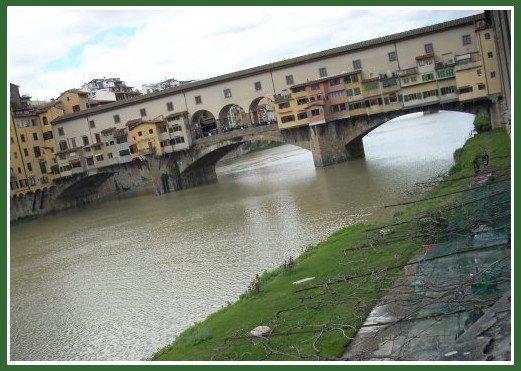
point(302, 101)
point(448, 90)
point(302, 116)
point(430, 93)
point(315, 87)
point(315, 112)
point(289, 118)
point(124, 152)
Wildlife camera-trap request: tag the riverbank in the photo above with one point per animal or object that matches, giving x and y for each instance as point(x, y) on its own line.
point(313, 306)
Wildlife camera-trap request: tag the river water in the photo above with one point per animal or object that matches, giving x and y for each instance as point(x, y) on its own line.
point(117, 280)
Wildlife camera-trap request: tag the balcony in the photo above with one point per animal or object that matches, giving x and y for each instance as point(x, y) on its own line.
point(278, 98)
point(407, 71)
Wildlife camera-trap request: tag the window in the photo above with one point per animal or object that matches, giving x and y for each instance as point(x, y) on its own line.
point(140, 133)
point(371, 85)
point(466, 39)
point(334, 82)
point(227, 93)
point(322, 72)
point(19, 170)
point(63, 145)
point(302, 101)
point(85, 140)
point(392, 56)
point(492, 74)
point(429, 49)
point(289, 118)
point(169, 106)
point(45, 121)
point(124, 152)
point(143, 112)
point(29, 167)
point(35, 136)
point(490, 54)
point(117, 119)
point(338, 107)
point(110, 155)
point(177, 128)
point(90, 161)
point(290, 81)
point(73, 142)
point(37, 152)
point(76, 108)
point(487, 35)
point(22, 138)
point(198, 99)
point(302, 116)
point(26, 152)
point(481, 86)
point(257, 86)
point(389, 82)
point(315, 86)
point(441, 74)
point(47, 135)
point(283, 105)
point(336, 94)
point(466, 89)
point(447, 90)
point(150, 131)
point(357, 64)
point(43, 167)
point(428, 77)
point(351, 78)
point(99, 157)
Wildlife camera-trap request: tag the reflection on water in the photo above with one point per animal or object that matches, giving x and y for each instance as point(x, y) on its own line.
point(118, 280)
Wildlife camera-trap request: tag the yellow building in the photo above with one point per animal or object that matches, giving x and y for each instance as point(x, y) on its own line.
point(32, 148)
point(143, 137)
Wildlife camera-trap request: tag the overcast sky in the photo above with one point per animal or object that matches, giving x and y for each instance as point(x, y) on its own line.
point(53, 49)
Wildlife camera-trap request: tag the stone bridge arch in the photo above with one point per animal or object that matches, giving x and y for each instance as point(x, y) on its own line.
point(231, 117)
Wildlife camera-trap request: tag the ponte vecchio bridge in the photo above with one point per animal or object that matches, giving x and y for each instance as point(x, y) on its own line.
point(324, 102)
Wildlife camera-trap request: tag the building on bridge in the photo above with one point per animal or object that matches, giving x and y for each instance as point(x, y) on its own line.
point(454, 63)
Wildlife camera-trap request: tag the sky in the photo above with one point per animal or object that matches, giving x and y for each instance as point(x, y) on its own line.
point(52, 49)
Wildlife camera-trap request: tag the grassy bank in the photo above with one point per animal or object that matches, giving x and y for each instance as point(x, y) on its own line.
point(342, 279)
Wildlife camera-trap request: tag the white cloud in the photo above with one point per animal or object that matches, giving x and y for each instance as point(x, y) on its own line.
point(147, 45)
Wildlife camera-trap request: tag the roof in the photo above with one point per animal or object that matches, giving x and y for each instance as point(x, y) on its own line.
point(276, 66)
